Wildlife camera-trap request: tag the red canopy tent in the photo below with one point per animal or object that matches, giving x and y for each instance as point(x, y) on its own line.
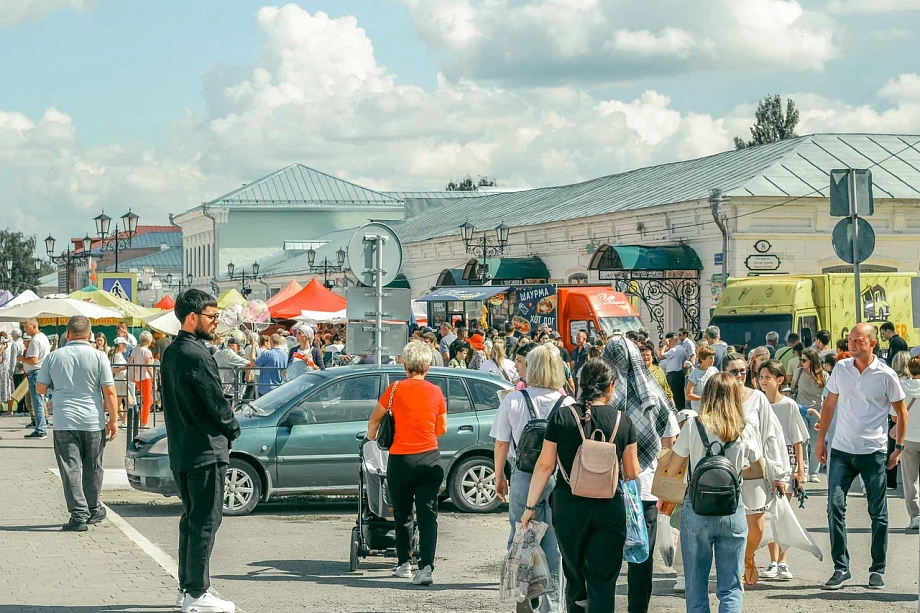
point(313, 297)
point(286, 292)
point(166, 303)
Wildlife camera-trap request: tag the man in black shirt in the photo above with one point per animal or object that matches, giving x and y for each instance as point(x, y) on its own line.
point(463, 336)
point(896, 344)
point(556, 338)
point(580, 353)
point(200, 427)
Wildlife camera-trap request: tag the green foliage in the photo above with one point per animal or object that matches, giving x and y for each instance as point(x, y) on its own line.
point(19, 249)
point(467, 184)
point(771, 124)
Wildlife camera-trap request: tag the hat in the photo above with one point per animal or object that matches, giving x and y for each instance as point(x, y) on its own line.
point(120, 340)
point(307, 330)
point(476, 342)
point(233, 341)
point(555, 335)
point(686, 414)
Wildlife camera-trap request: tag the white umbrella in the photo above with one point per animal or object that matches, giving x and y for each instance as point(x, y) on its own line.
point(57, 308)
point(322, 317)
point(165, 322)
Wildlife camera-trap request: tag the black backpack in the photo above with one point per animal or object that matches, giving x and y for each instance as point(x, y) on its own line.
point(715, 485)
point(528, 449)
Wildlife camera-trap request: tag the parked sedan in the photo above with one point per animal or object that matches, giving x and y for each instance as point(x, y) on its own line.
point(302, 438)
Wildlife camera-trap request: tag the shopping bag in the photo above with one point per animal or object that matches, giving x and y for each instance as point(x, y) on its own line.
point(635, 550)
point(525, 572)
point(670, 488)
point(782, 527)
point(667, 540)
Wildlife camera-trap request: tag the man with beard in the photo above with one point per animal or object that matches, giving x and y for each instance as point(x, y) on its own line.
point(200, 428)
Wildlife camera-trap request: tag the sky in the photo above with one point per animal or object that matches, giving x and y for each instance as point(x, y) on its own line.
point(159, 106)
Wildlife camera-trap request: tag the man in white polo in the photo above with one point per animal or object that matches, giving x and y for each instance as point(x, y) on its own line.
point(862, 390)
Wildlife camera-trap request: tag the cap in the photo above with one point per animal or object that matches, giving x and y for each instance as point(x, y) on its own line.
point(233, 341)
point(120, 340)
point(476, 342)
point(555, 335)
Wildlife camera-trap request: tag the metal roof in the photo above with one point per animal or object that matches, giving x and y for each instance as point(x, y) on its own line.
point(168, 259)
point(281, 264)
point(299, 186)
point(436, 195)
point(797, 167)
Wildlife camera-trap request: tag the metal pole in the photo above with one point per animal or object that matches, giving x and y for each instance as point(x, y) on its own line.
point(116, 251)
point(378, 286)
point(854, 217)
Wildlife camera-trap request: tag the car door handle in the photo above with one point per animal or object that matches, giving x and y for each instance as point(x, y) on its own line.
point(465, 430)
point(360, 436)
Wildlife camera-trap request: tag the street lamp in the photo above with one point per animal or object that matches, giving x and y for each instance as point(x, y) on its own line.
point(327, 267)
point(115, 241)
point(68, 257)
point(179, 284)
point(245, 290)
point(482, 247)
point(9, 269)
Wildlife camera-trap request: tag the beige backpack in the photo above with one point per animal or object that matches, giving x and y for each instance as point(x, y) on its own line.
point(596, 468)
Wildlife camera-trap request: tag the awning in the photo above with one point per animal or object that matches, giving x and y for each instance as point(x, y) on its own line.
point(451, 277)
point(639, 257)
point(509, 269)
point(463, 294)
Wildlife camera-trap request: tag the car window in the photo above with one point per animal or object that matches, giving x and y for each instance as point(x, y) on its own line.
point(458, 401)
point(281, 395)
point(347, 399)
point(485, 394)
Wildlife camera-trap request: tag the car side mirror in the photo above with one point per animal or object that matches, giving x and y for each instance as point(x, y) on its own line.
point(297, 417)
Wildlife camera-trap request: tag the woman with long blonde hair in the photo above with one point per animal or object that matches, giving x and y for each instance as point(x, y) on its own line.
point(702, 538)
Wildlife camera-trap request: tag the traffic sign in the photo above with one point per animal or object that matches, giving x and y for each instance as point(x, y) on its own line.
point(842, 239)
point(121, 284)
point(362, 304)
point(361, 338)
point(362, 250)
point(840, 193)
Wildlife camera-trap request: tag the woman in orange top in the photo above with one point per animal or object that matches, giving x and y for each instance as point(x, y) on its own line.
point(141, 358)
point(414, 471)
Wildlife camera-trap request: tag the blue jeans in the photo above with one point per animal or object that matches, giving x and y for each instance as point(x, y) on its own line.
point(700, 537)
point(517, 500)
point(842, 469)
point(38, 403)
point(811, 446)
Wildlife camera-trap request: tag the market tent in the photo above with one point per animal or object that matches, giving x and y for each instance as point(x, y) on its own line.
point(228, 297)
point(133, 314)
point(58, 309)
point(322, 317)
point(165, 322)
point(314, 297)
point(90, 288)
point(23, 298)
point(5, 297)
point(286, 292)
point(166, 303)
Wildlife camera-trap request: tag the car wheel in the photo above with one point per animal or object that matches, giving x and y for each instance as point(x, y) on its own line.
point(242, 488)
point(472, 487)
point(353, 556)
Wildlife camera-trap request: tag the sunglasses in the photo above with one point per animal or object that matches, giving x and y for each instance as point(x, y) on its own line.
point(211, 316)
point(738, 371)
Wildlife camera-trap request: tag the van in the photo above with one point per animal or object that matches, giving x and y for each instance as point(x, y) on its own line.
point(593, 308)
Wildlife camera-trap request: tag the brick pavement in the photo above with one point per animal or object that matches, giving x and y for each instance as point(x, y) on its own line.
point(45, 570)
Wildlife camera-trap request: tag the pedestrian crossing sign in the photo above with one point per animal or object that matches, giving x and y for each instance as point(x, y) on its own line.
point(121, 284)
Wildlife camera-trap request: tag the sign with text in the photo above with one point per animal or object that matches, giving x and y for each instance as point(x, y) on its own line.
point(762, 262)
point(532, 305)
point(121, 284)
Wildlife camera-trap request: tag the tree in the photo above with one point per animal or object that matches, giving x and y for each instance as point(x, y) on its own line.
point(19, 249)
point(468, 185)
point(770, 123)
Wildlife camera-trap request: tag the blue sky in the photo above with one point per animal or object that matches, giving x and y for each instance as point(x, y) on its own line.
point(160, 105)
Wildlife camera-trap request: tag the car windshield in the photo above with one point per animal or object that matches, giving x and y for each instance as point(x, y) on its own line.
point(619, 324)
point(281, 395)
point(750, 331)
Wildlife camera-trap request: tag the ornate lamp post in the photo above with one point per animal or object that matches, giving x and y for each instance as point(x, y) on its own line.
point(178, 284)
point(116, 241)
point(245, 290)
point(68, 257)
point(482, 247)
point(327, 267)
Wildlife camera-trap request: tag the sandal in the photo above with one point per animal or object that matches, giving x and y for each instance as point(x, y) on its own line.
point(750, 572)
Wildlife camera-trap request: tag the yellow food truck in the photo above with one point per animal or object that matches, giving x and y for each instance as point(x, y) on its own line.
point(751, 307)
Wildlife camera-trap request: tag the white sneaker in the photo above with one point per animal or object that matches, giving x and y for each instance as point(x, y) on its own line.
point(914, 523)
point(680, 586)
point(770, 572)
point(403, 571)
point(423, 577)
point(814, 478)
point(784, 572)
point(180, 599)
point(207, 603)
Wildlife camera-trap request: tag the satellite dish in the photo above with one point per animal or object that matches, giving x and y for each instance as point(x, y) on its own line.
point(362, 254)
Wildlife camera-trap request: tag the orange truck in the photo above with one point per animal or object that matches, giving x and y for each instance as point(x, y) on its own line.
point(593, 308)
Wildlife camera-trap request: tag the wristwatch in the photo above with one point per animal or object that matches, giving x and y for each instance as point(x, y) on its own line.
point(528, 508)
point(898, 446)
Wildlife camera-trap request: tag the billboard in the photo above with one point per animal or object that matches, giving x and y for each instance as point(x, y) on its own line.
point(122, 284)
point(532, 305)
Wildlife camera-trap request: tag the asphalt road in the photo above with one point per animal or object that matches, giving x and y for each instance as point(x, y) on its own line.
point(293, 556)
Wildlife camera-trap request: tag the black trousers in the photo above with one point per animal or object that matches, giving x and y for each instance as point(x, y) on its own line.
point(415, 479)
point(640, 576)
point(202, 493)
point(677, 382)
point(591, 535)
point(891, 475)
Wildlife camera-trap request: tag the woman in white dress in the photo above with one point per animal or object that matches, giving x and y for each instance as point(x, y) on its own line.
point(6, 379)
point(498, 365)
point(757, 490)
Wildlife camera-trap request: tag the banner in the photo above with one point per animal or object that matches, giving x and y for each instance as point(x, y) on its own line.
point(532, 305)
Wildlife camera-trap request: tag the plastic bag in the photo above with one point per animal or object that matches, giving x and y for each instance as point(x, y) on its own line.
point(782, 527)
point(525, 572)
point(635, 551)
point(667, 540)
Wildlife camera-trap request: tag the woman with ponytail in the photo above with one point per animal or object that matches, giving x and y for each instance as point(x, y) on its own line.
point(591, 531)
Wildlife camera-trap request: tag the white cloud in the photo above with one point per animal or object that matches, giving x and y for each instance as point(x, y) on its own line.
point(872, 6)
point(15, 12)
point(607, 41)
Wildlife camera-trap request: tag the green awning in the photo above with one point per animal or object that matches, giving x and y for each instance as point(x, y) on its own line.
point(509, 269)
point(639, 257)
point(398, 282)
point(450, 277)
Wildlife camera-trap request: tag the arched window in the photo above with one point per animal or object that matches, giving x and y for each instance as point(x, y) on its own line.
point(578, 278)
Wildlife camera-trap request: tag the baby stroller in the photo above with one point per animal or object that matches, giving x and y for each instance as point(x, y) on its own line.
point(374, 534)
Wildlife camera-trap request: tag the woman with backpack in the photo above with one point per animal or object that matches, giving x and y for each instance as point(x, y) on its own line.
point(762, 478)
point(518, 430)
point(718, 445)
point(588, 510)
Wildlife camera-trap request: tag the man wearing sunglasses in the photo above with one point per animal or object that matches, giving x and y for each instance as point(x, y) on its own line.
point(200, 428)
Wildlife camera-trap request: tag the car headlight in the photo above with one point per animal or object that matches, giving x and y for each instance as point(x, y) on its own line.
point(160, 447)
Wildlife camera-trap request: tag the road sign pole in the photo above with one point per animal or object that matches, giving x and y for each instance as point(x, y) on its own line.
point(378, 287)
point(851, 178)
